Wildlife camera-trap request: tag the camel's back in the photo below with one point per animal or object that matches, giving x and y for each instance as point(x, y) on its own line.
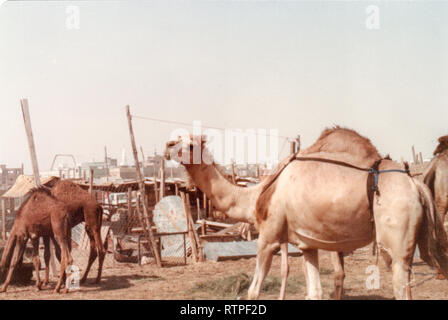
point(36, 214)
point(72, 195)
point(345, 145)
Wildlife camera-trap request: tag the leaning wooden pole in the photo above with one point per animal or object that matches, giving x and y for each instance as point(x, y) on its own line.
point(29, 135)
point(148, 229)
point(3, 207)
point(413, 155)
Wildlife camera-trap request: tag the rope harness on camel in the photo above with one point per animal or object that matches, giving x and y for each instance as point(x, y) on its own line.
point(372, 179)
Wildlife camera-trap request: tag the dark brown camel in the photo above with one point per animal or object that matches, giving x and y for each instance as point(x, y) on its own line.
point(82, 206)
point(41, 215)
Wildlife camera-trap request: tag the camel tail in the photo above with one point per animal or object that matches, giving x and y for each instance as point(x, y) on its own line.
point(99, 213)
point(432, 240)
point(429, 176)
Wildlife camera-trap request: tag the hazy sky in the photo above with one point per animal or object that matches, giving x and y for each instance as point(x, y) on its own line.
point(297, 66)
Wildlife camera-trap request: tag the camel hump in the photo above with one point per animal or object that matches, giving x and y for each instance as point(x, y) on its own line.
point(443, 145)
point(68, 190)
point(345, 141)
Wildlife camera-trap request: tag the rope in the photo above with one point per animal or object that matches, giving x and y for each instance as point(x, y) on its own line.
point(190, 125)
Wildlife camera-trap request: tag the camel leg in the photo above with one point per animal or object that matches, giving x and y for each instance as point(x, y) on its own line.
point(386, 259)
point(57, 249)
point(47, 255)
point(442, 213)
point(401, 277)
point(36, 261)
point(311, 270)
point(92, 254)
point(60, 228)
point(337, 258)
point(399, 240)
point(66, 260)
point(101, 253)
point(284, 269)
point(264, 259)
point(18, 251)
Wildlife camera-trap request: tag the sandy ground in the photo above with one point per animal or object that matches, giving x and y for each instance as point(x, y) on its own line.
point(130, 281)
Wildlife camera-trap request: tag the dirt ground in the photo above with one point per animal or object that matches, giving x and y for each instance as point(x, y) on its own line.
point(130, 281)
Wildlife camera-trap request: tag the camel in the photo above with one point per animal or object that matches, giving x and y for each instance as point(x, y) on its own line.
point(436, 178)
point(318, 204)
point(40, 216)
point(82, 206)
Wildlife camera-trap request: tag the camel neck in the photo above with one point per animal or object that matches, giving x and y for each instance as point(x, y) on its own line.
point(236, 202)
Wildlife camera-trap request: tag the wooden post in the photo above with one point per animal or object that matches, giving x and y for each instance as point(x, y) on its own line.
point(298, 143)
point(421, 157)
point(138, 204)
point(293, 146)
point(91, 182)
point(3, 218)
point(190, 228)
point(204, 204)
point(176, 189)
point(29, 134)
point(203, 227)
point(198, 204)
point(162, 180)
point(413, 155)
point(143, 157)
point(156, 191)
point(196, 236)
point(129, 207)
point(142, 192)
point(233, 173)
point(210, 209)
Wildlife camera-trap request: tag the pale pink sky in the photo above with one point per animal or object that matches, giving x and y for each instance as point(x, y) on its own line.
point(295, 66)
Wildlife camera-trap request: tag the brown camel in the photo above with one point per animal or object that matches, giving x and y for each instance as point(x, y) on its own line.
point(436, 178)
point(40, 216)
point(320, 205)
point(82, 206)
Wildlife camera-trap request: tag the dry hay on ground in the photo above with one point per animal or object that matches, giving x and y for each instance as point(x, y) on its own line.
point(217, 280)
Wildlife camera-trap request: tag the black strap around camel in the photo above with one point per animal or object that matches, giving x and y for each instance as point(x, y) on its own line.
point(372, 179)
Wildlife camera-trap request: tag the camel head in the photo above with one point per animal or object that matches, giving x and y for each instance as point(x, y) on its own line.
point(188, 150)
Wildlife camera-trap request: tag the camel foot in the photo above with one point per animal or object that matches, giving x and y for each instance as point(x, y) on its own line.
point(338, 293)
point(2, 289)
point(440, 276)
point(83, 280)
point(97, 280)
